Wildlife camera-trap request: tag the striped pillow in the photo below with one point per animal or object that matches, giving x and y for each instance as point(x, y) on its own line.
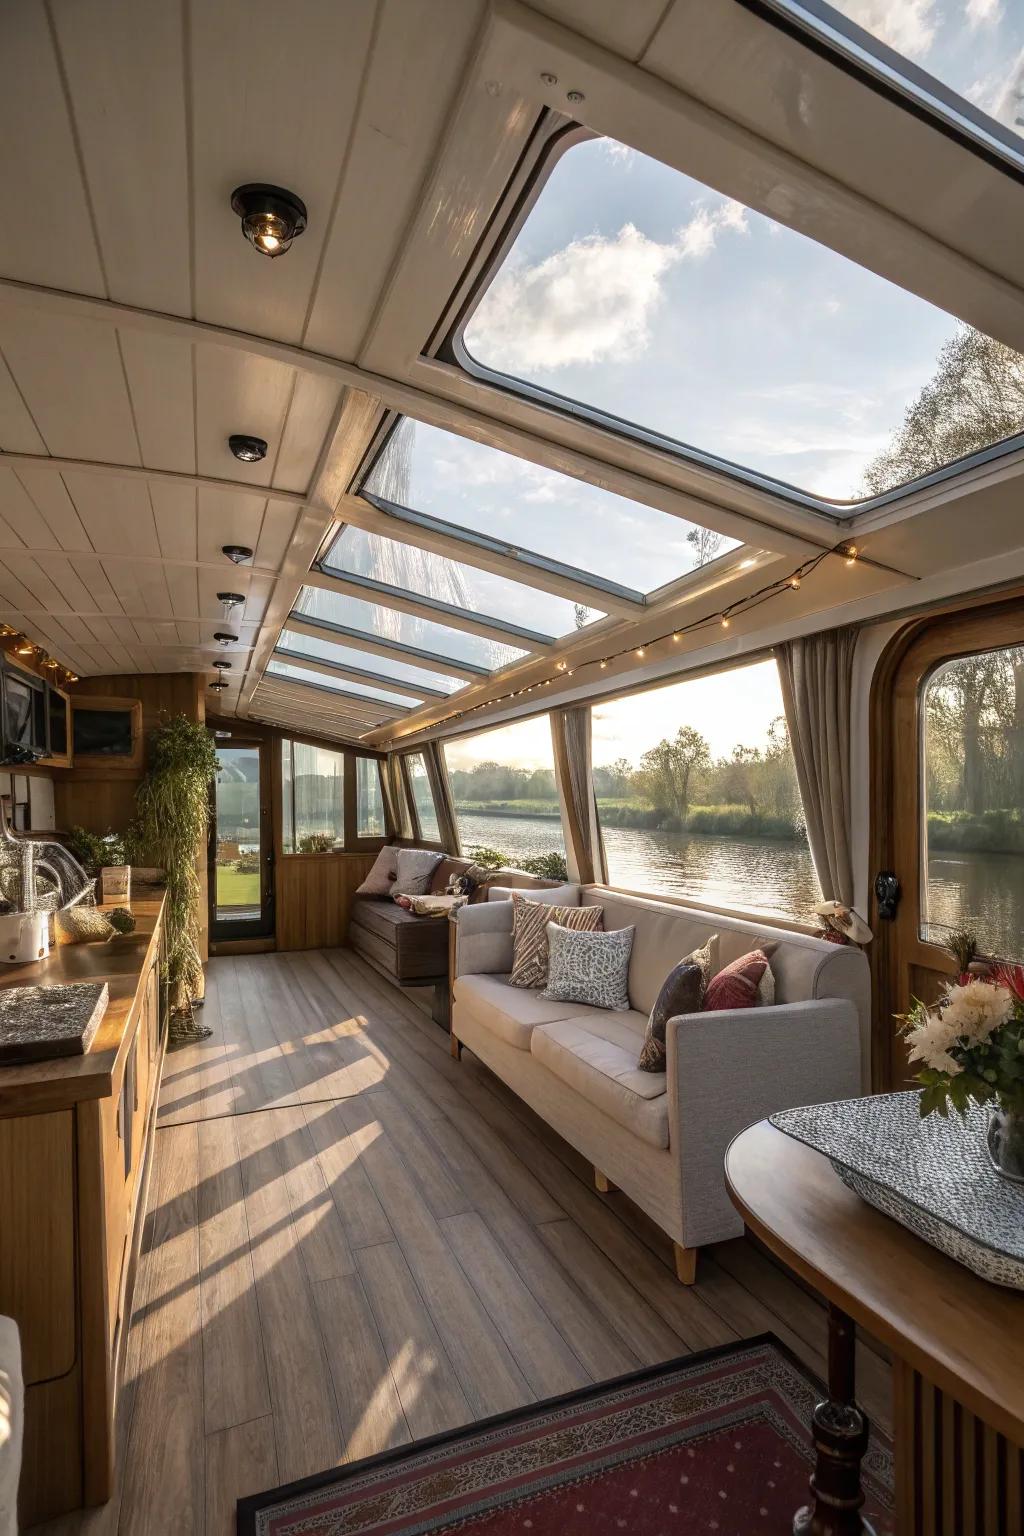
point(530, 939)
point(737, 985)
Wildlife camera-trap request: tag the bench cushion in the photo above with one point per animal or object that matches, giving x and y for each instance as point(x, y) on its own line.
point(511, 1013)
point(596, 1054)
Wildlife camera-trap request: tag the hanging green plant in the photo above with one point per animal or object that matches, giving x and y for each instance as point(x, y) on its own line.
point(172, 809)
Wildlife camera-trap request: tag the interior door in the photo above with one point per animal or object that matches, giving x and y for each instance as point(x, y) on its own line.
point(948, 808)
point(241, 845)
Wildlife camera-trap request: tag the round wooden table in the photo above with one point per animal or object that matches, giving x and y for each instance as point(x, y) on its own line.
point(957, 1344)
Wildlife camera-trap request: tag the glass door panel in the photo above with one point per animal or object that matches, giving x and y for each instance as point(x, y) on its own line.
point(239, 876)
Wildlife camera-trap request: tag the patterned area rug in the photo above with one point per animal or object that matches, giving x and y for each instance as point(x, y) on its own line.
point(714, 1442)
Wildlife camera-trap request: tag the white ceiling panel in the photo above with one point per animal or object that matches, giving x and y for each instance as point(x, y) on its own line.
point(419, 53)
point(18, 432)
point(184, 593)
point(70, 374)
point(22, 522)
point(274, 89)
point(225, 517)
point(116, 512)
point(174, 507)
point(125, 74)
point(50, 239)
point(58, 516)
point(314, 403)
point(160, 379)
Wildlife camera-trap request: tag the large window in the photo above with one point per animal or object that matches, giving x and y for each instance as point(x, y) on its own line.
point(640, 294)
point(973, 721)
point(422, 795)
point(506, 803)
point(369, 801)
point(312, 798)
point(697, 794)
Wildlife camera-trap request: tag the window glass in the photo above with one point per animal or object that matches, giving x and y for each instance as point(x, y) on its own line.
point(423, 796)
point(387, 624)
point(313, 798)
point(697, 794)
point(371, 693)
point(369, 801)
point(642, 293)
point(384, 666)
point(973, 48)
point(527, 507)
point(506, 803)
point(973, 722)
point(430, 575)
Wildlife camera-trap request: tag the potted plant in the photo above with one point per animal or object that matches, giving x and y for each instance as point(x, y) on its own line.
point(171, 825)
point(971, 1044)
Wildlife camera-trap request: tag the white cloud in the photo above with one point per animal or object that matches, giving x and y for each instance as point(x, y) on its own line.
point(622, 152)
point(906, 25)
point(984, 13)
point(1002, 94)
point(592, 299)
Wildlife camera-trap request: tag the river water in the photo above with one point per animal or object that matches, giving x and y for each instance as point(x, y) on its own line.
point(983, 890)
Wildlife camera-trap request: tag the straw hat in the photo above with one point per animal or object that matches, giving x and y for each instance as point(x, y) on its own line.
point(848, 922)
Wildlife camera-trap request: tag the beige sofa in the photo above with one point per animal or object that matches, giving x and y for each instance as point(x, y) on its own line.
point(662, 1137)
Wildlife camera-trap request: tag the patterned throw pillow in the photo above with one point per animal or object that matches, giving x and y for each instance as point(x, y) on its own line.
point(530, 921)
point(415, 869)
point(382, 874)
point(736, 986)
point(589, 967)
point(682, 992)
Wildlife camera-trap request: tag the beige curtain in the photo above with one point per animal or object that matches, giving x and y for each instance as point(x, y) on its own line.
point(444, 804)
point(584, 849)
point(816, 674)
point(396, 802)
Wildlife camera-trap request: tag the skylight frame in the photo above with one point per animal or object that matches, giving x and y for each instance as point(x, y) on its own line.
point(355, 704)
point(320, 665)
point(304, 628)
point(452, 348)
point(361, 639)
point(891, 74)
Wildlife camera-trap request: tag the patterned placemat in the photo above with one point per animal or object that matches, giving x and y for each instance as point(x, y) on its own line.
point(932, 1175)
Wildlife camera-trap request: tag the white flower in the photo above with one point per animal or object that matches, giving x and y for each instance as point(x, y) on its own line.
point(930, 1042)
point(975, 1010)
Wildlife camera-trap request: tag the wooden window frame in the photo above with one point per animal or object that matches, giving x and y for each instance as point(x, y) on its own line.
point(353, 844)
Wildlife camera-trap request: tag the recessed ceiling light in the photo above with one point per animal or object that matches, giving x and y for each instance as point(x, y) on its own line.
point(271, 217)
point(249, 449)
point(221, 665)
point(231, 599)
point(218, 685)
point(222, 637)
point(241, 554)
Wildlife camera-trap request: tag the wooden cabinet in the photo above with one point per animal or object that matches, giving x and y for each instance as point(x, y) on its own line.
point(76, 1140)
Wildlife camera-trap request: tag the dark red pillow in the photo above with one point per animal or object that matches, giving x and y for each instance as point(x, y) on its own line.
point(736, 986)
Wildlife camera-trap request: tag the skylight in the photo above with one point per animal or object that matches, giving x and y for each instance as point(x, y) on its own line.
point(422, 679)
point(546, 516)
point(964, 59)
point(390, 627)
point(291, 666)
point(358, 708)
point(643, 296)
point(406, 568)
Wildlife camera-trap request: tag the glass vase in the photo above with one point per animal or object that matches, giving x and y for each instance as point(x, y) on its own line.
point(1006, 1143)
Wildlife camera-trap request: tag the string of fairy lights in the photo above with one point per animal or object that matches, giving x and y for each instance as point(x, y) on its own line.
point(29, 651)
point(722, 617)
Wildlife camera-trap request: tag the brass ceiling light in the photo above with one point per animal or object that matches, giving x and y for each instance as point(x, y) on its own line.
point(223, 637)
point(271, 216)
point(238, 554)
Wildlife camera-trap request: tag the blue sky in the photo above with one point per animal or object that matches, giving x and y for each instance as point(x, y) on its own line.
point(638, 290)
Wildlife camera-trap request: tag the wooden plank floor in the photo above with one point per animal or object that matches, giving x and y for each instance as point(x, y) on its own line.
point(354, 1242)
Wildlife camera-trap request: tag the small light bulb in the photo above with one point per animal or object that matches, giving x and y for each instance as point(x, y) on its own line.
point(602, 665)
point(725, 621)
point(851, 554)
point(569, 673)
point(562, 666)
point(794, 582)
point(639, 650)
point(675, 634)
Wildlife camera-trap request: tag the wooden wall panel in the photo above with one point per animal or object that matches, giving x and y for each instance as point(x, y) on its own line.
point(37, 1280)
point(314, 897)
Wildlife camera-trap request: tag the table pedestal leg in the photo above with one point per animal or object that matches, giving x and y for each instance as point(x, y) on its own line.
point(840, 1433)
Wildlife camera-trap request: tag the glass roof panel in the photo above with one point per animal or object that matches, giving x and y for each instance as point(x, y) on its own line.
point(290, 668)
point(350, 656)
point(388, 625)
point(653, 299)
point(435, 576)
point(964, 57)
point(524, 506)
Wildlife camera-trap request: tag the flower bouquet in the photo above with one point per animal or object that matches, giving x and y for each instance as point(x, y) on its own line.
point(971, 1044)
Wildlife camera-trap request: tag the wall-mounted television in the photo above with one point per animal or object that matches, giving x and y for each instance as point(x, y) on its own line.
point(106, 731)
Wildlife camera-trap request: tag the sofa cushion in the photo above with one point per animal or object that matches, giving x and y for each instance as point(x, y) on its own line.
point(511, 1013)
point(415, 869)
point(737, 985)
point(382, 874)
point(445, 869)
point(530, 921)
point(596, 1055)
point(682, 992)
point(589, 967)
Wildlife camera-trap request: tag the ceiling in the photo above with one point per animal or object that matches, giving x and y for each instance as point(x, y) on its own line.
point(138, 330)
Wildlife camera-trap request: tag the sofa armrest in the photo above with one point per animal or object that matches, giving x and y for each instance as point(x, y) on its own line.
point(731, 1068)
point(483, 939)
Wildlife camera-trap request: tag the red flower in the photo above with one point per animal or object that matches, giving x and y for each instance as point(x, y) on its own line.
point(1011, 977)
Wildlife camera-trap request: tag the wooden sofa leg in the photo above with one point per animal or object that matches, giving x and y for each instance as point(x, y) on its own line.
point(455, 1046)
point(602, 1183)
point(686, 1263)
